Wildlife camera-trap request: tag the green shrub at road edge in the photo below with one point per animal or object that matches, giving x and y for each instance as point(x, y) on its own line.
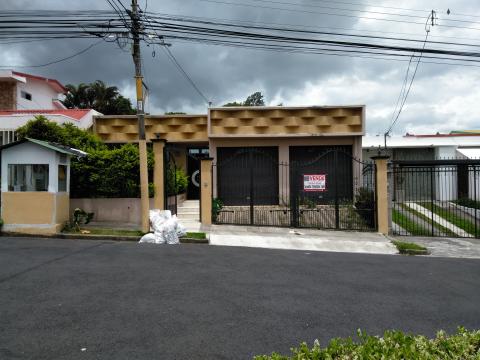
point(394, 345)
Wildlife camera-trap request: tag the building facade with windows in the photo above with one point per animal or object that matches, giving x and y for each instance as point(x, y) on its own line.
point(35, 182)
point(24, 96)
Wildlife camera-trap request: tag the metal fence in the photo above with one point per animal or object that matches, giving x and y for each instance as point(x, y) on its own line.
point(436, 198)
point(332, 190)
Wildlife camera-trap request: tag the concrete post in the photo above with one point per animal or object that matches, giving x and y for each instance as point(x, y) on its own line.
point(206, 191)
point(381, 181)
point(158, 173)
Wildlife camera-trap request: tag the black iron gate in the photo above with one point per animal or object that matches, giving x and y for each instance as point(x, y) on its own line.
point(436, 198)
point(328, 189)
point(170, 185)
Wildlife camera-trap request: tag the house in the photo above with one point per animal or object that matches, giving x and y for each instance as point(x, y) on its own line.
point(23, 96)
point(35, 183)
point(456, 144)
point(449, 182)
point(253, 149)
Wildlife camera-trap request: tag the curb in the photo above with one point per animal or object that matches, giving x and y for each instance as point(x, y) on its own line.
point(98, 237)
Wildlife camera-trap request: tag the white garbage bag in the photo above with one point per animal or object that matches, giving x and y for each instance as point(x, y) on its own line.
point(165, 227)
point(148, 239)
point(170, 232)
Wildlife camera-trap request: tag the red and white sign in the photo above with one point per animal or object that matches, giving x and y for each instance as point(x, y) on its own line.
point(315, 182)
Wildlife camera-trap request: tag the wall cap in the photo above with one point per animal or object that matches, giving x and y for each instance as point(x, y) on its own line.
point(159, 140)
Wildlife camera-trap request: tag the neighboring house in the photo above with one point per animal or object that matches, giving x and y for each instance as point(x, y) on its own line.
point(457, 144)
point(23, 96)
point(448, 182)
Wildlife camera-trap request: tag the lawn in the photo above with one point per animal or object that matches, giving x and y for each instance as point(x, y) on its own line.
point(452, 216)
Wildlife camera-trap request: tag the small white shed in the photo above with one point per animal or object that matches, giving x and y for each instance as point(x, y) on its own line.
point(35, 183)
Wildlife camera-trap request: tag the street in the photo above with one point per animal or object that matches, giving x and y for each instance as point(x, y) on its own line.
point(69, 299)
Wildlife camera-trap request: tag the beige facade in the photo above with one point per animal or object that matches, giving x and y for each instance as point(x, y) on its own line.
point(34, 212)
point(281, 127)
point(243, 126)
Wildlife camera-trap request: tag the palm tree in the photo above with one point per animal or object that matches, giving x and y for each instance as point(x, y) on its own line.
point(98, 96)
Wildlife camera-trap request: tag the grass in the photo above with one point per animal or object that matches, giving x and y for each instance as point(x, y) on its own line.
point(196, 235)
point(114, 232)
point(428, 221)
point(452, 217)
point(409, 248)
point(406, 223)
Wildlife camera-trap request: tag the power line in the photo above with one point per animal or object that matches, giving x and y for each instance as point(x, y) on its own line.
point(404, 91)
point(184, 73)
point(54, 61)
point(329, 14)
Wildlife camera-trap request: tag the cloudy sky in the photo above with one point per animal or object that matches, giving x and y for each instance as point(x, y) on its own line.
point(443, 98)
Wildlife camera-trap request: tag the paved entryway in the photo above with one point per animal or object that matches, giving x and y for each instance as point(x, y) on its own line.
point(301, 239)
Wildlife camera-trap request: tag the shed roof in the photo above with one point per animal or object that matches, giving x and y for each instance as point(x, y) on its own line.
point(52, 146)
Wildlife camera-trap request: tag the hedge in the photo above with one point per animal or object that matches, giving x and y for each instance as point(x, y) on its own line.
point(394, 345)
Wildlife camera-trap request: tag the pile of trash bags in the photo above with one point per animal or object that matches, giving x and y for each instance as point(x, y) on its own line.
point(166, 228)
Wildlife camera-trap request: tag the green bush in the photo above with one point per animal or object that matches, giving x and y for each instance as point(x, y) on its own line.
point(105, 172)
point(365, 205)
point(394, 345)
point(470, 203)
point(177, 181)
point(217, 205)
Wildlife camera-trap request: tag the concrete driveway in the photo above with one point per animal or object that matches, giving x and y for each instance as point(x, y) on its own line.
point(301, 239)
point(66, 299)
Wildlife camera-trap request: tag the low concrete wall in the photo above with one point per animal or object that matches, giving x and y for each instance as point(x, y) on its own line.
point(122, 210)
point(126, 210)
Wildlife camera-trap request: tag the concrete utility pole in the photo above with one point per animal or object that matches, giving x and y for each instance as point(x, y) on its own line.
point(142, 143)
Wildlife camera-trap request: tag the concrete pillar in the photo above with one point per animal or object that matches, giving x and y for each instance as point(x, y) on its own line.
point(142, 147)
point(158, 173)
point(206, 191)
point(381, 182)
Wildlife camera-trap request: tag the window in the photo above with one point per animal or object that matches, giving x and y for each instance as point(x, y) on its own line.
point(27, 177)
point(62, 178)
point(26, 95)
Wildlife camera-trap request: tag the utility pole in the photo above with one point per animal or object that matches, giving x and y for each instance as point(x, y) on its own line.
point(142, 143)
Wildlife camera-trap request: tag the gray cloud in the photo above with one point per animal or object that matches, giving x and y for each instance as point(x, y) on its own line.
point(226, 74)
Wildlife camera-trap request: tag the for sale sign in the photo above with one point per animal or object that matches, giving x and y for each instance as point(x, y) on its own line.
point(315, 182)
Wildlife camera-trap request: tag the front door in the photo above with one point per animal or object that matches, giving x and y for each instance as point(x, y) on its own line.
point(193, 168)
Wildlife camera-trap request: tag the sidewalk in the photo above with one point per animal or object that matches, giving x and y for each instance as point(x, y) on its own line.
point(467, 248)
point(301, 239)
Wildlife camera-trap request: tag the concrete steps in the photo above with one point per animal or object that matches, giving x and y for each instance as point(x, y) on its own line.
point(189, 211)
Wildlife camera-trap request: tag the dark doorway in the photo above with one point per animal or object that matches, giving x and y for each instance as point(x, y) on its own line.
point(194, 155)
point(248, 173)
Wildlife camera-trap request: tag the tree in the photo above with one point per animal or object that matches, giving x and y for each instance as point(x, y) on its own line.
point(104, 172)
point(98, 96)
point(256, 99)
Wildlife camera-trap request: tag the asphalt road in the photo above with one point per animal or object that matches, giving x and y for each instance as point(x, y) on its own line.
point(65, 299)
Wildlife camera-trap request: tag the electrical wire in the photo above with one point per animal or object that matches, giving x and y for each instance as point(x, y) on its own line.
point(54, 61)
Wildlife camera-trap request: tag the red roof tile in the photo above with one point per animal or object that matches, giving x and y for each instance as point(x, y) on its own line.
point(76, 114)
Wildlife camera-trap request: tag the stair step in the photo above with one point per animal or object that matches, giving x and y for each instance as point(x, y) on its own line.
point(188, 217)
point(188, 207)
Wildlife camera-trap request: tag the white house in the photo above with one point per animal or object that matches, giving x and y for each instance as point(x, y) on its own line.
point(23, 96)
point(455, 145)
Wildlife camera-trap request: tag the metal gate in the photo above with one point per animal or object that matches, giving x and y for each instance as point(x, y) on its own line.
point(170, 185)
point(436, 198)
point(331, 190)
